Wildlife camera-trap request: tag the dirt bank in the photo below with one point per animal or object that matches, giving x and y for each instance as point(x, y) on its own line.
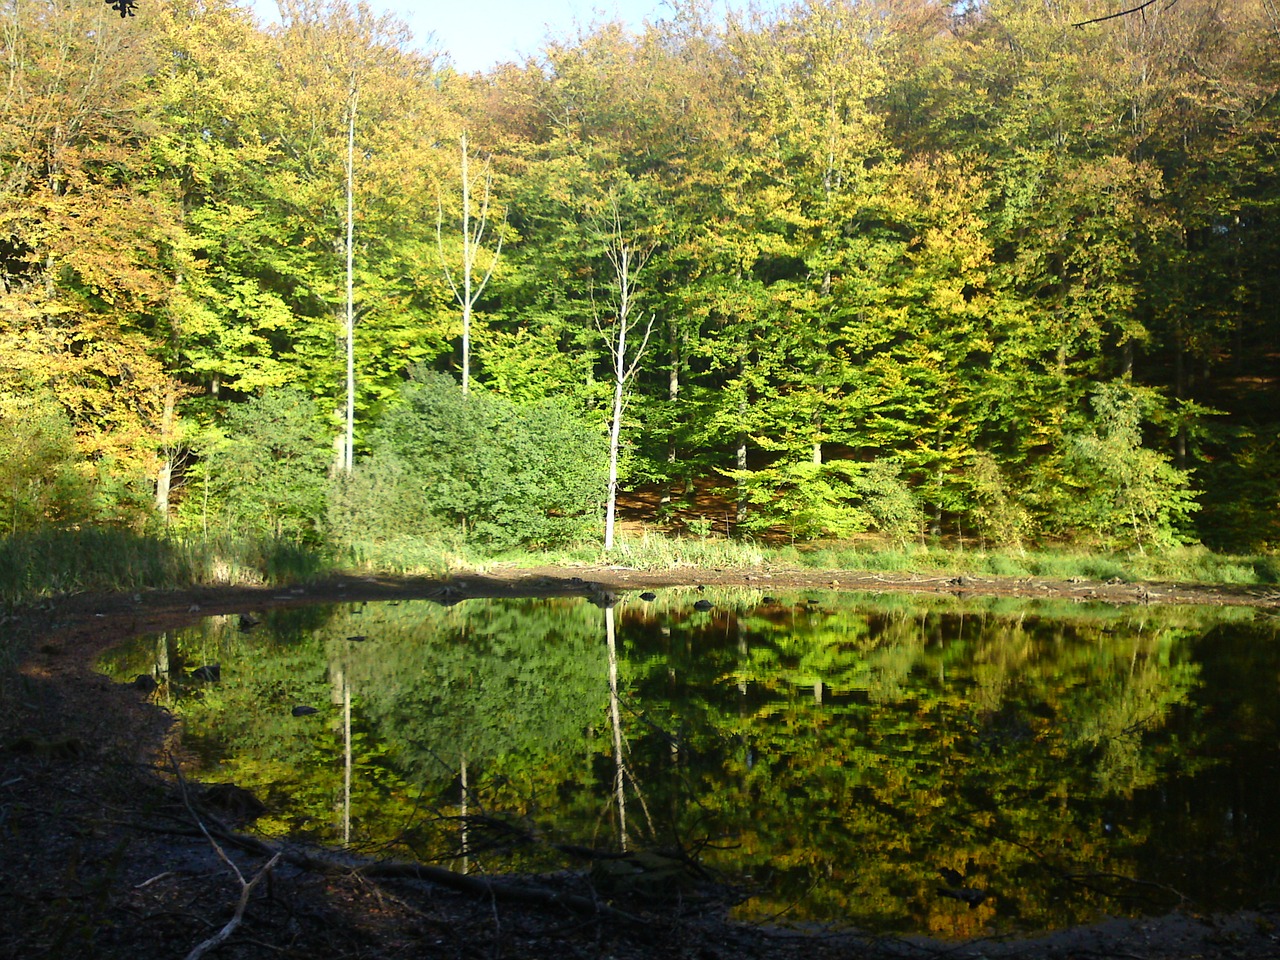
point(100, 855)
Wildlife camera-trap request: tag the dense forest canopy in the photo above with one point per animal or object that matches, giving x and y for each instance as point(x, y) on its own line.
point(908, 267)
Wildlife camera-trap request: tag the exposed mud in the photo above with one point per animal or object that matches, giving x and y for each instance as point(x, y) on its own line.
point(100, 854)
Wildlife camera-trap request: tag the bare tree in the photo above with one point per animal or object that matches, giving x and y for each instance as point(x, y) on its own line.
point(466, 290)
point(627, 258)
point(348, 445)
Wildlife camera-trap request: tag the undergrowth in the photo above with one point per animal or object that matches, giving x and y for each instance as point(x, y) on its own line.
point(56, 562)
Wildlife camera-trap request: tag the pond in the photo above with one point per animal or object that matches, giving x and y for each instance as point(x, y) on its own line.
point(894, 763)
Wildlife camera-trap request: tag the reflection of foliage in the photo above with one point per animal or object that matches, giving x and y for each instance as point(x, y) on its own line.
point(1114, 710)
point(841, 751)
point(880, 742)
point(499, 683)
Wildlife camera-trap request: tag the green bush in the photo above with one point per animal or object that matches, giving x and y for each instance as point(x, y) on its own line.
point(266, 477)
point(1125, 493)
point(495, 472)
point(830, 500)
point(378, 502)
point(40, 478)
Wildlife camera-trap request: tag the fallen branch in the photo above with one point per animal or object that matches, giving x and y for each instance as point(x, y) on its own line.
point(404, 870)
point(246, 886)
point(246, 890)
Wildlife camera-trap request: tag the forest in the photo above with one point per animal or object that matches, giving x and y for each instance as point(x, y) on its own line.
point(900, 267)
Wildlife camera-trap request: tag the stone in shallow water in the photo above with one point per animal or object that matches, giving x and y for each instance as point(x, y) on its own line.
point(145, 682)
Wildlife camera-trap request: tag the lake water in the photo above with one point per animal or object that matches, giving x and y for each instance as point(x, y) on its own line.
point(895, 763)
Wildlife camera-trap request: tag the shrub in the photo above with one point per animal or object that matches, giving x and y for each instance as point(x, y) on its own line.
point(835, 499)
point(496, 472)
point(40, 478)
point(1126, 493)
point(266, 478)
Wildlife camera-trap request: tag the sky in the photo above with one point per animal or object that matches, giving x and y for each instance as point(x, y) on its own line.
point(478, 34)
point(481, 33)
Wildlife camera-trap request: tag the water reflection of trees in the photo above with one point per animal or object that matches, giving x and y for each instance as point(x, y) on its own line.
point(975, 741)
point(840, 752)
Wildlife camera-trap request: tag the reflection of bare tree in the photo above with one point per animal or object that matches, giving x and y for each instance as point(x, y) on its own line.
point(622, 771)
point(346, 771)
point(462, 776)
point(619, 776)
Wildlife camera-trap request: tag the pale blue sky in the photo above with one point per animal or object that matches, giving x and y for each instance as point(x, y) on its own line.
point(481, 33)
point(478, 34)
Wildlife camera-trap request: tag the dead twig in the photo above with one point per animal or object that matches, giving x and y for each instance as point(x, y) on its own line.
point(246, 886)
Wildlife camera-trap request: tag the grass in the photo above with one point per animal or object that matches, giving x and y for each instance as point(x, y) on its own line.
point(1187, 564)
point(50, 563)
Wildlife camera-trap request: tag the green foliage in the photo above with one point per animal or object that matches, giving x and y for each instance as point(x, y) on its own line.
point(1242, 489)
point(266, 477)
point(41, 476)
point(1125, 492)
point(379, 501)
point(490, 470)
point(836, 499)
point(1001, 516)
point(873, 239)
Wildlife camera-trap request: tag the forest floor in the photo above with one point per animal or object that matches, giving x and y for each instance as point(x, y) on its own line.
point(101, 854)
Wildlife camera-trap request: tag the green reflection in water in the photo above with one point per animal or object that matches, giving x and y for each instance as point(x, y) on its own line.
point(860, 759)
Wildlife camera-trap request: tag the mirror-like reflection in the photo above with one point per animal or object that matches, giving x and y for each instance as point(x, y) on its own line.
point(896, 763)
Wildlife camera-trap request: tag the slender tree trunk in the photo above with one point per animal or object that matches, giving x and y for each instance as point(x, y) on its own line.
point(468, 263)
point(740, 460)
point(673, 394)
point(623, 269)
point(346, 769)
point(164, 479)
point(615, 438)
point(348, 448)
point(626, 262)
point(1180, 391)
point(467, 289)
point(466, 839)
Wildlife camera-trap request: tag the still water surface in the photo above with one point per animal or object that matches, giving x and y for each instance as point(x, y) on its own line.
point(896, 763)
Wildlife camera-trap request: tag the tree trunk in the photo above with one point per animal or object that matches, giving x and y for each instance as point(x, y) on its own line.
point(164, 479)
point(468, 263)
point(673, 394)
point(348, 447)
point(615, 438)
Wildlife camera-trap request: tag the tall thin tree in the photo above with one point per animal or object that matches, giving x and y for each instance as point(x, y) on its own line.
point(348, 445)
point(627, 258)
point(474, 224)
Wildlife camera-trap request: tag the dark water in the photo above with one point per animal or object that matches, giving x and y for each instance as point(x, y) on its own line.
point(867, 760)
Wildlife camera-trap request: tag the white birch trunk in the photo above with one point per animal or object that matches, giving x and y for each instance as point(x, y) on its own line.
point(348, 446)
